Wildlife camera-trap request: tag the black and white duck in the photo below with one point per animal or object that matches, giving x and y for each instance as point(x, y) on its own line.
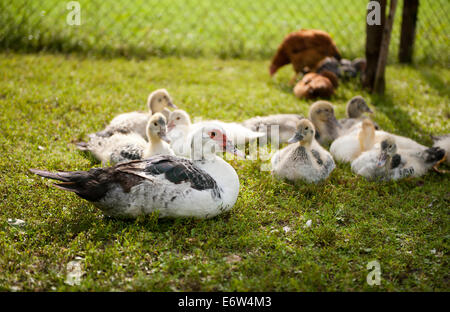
point(202, 187)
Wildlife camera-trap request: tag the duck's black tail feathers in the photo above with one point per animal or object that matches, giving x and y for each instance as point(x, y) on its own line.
point(434, 154)
point(90, 185)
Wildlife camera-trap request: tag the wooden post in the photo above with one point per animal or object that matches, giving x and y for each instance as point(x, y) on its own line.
point(374, 35)
point(408, 32)
point(379, 83)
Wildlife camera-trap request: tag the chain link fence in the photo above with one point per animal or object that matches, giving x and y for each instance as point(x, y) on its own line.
point(227, 29)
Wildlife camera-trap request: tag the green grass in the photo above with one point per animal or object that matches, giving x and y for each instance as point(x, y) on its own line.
point(227, 29)
point(47, 101)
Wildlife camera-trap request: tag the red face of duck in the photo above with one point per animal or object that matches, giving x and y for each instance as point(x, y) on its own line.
point(221, 139)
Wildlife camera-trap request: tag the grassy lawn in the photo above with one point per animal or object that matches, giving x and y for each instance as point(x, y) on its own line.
point(262, 244)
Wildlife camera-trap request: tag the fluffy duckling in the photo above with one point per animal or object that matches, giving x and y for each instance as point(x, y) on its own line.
point(304, 159)
point(121, 147)
point(344, 68)
point(179, 127)
point(315, 85)
point(157, 102)
point(386, 161)
point(180, 122)
point(159, 143)
point(382, 162)
point(444, 143)
point(348, 147)
point(287, 124)
point(321, 113)
point(356, 107)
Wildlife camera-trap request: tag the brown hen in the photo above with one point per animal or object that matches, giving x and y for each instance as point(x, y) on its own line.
point(304, 49)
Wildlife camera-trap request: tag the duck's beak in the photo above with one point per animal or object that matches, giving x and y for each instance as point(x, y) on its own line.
point(368, 110)
point(170, 104)
point(163, 136)
point(382, 159)
point(296, 138)
point(230, 148)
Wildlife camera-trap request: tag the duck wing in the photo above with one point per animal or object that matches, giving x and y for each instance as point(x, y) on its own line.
point(93, 185)
point(174, 169)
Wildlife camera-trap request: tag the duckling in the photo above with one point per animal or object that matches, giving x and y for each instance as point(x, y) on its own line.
point(356, 107)
point(315, 85)
point(382, 162)
point(444, 143)
point(306, 160)
point(402, 142)
point(159, 143)
point(157, 101)
point(238, 134)
point(179, 127)
point(349, 146)
point(387, 161)
point(321, 113)
point(287, 124)
point(121, 147)
point(344, 68)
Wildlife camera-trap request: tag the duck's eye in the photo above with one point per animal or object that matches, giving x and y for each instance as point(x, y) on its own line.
point(159, 100)
point(155, 123)
point(178, 118)
point(318, 111)
point(306, 128)
point(212, 134)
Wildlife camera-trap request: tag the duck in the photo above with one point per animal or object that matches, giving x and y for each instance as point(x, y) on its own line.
point(386, 161)
point(355, 109)
point(303, 159)
point(286, 124)
point(173, 186)
point(180, 126)
point(314, 85)
point(121, 147)
point(321, 113)
point(382, 162)
point(157, 102)
point(343, 69)
point(443, 142)
point(348, 147)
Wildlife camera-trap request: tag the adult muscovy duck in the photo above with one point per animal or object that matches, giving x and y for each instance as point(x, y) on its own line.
point(201, 187)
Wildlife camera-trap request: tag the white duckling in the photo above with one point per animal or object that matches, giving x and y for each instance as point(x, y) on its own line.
point(237, 133)
point(443, 142)
point(349, 146)
point(286, 124)
point(180, 127)
point(304, 159)
point(121, 147)
point(174, 186)
point(157, 102)
point(321, 113)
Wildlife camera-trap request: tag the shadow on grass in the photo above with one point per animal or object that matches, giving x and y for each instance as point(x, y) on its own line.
point(398, 116)
point(435, 81)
